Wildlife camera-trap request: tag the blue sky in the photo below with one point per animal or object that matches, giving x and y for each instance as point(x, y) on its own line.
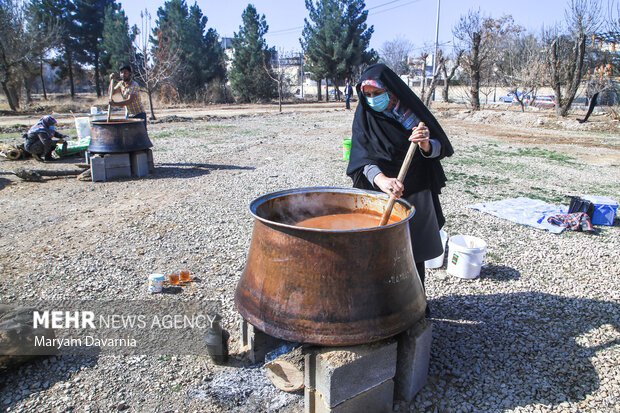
point(412, 19)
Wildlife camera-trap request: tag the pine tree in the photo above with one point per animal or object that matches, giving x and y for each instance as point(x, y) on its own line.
point(181, 30)
point(116, 46)
point(89, 17)
point(251, 77)
point(336, 38)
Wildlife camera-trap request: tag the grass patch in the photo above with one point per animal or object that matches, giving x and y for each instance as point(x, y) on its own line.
point(7, 137)
point(175, 134)
point(476, 180)
point(545, 154)
point(550, 197)
point(473, 194)
point(218, 126)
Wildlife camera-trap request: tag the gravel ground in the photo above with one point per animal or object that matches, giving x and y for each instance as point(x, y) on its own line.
point(538, 331)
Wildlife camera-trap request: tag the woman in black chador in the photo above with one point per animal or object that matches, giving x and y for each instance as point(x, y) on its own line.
point(387, 119)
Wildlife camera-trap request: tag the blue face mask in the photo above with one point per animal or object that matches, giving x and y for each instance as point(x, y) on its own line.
point(52, 128)
point(379, 103)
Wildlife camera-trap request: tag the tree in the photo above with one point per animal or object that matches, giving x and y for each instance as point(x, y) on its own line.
point(336, 38)
point(441, 62)
point(21, 46)
point(566, 52)
point(89, 16)
point(181, 29)
point(148, 74)
point(63, 13)
point(116, 46)
point(277, 76)
point(251, 74)
point(520, 67)
point(422, 71)
point(449, 76)
point(480, 38)
point(394, 53)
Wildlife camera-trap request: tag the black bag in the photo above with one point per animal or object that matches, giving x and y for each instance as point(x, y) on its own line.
point(578, 204)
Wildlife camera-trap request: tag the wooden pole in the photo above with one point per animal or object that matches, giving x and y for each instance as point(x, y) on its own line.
point(111, 93)
point(401, 177)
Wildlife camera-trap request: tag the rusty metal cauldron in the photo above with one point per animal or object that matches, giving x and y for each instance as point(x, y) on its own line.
point(124, 135)
point(329, 287)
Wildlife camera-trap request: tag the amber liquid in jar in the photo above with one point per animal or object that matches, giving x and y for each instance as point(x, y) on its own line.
point(184, 276)
point(174, 279)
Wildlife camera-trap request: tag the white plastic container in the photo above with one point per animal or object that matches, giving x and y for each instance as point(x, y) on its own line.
point(83, 127)
point(465, 256)
point(94, 110)
point(156, 283)
point(437, 262)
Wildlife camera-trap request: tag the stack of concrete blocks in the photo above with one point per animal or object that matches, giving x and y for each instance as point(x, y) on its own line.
point(121, 165)
point(353, 379)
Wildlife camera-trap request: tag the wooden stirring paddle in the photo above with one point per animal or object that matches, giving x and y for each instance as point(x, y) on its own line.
point(401, 177)
point(111, 93)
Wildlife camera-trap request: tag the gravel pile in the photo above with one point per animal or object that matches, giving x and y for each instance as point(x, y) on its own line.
point(538, 331)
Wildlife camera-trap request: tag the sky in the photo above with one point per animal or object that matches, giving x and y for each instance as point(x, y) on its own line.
point(414, 20)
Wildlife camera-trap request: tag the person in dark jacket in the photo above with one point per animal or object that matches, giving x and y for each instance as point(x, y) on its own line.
point(348, 92)
point(39, 140)
point(387, 119)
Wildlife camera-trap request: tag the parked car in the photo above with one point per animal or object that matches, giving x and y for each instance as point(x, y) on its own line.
point(526, 99)
point(506, 99)
point(544, 101)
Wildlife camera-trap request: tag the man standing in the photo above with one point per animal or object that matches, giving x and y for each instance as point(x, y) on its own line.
point(130, 92)
point(348, 91)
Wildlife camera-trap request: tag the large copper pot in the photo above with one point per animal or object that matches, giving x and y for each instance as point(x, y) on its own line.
point(329, 287)
point(125, 135)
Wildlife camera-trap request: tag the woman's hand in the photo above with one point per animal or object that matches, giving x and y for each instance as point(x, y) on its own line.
point(391, 186)
point(421, 135)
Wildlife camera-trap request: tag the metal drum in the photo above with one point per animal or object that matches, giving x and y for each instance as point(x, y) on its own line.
point(329, 287)
point(126, 135)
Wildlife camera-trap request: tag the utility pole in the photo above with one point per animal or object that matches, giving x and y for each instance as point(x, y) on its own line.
point(436, 45)
point(301, 64)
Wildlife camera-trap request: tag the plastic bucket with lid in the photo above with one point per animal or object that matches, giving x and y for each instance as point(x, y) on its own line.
point(346, 149)
point(438, 261)
point(465, 256)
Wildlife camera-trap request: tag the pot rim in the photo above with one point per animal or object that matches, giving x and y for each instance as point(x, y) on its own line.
point(264, 198)
point(116, 121)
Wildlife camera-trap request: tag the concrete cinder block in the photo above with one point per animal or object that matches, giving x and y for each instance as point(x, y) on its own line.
point(139, 164)
point(379, 399)
point(257, 343)
point(341, 373)
point(97, 169)
point(120, 172)
point(117, 160)
point(149, 159)
point(414, 353)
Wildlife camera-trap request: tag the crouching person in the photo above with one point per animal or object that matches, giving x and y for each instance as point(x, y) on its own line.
point(39, 142)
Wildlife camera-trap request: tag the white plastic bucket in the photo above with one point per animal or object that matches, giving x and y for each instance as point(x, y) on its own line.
point(465, 256)
point(83, 127)
point(438, 261)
